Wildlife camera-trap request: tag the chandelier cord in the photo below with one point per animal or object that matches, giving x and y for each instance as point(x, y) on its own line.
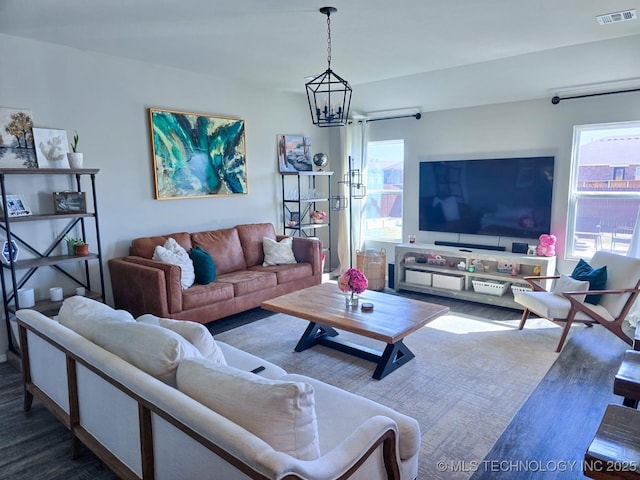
point(329, 40)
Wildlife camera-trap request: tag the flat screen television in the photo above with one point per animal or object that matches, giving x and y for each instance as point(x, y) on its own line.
point(499, 197)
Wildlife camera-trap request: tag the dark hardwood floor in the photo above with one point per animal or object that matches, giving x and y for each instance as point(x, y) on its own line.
point(550, 433)
point(36, 445)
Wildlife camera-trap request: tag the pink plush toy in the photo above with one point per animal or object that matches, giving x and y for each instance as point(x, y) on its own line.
point(547, 246)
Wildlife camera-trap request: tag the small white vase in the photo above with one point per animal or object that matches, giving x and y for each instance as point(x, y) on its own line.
point(75, 159)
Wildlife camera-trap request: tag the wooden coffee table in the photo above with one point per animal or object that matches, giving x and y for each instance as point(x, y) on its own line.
point(392, 319)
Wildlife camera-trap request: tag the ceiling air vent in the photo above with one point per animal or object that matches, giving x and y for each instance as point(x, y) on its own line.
point(617, 17)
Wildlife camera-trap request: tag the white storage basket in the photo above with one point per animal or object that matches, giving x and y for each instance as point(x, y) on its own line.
point(520, 288)
point(490, 287)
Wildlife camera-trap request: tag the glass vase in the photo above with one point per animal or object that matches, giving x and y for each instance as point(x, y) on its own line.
point(351, 299)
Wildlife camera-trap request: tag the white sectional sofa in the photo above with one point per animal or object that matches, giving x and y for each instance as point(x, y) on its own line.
point(163, 400)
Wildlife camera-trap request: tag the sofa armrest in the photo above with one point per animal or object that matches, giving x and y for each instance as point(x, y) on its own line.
point(246, 361)
point(375, 437)
point(307, 250)
point(141, 285)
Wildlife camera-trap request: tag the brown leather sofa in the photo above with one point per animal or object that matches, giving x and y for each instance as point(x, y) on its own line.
point(142, 285)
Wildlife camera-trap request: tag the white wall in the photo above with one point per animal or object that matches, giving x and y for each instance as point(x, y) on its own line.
point(512, 129)
point(106, 100)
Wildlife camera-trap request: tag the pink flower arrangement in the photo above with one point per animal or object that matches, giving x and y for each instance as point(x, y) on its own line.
point(318, 215)
point(352, 280)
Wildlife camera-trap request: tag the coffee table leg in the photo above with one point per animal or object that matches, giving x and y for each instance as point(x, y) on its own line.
point(311, 335)
point(394, 356)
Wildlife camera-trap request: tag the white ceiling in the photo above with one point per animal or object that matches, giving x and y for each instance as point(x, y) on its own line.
point(428, 54)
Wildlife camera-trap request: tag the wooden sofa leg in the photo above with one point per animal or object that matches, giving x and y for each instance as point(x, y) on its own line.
point(523, 319)
point(28, 401)
point(76, 446)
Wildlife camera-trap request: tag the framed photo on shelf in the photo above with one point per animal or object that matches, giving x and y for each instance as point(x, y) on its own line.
point(69, 202)
point(294, 153)
point(51, 147)
point(16, 139)
point(17, 206)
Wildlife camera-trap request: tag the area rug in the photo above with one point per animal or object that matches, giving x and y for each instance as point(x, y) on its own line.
point(469, 378)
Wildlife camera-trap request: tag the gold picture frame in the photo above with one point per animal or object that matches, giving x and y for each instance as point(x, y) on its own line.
point(197, 155)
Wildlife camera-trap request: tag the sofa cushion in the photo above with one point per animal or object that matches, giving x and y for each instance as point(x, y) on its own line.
point(203, 295)
point(249, 281)
point(195, 333)
point(145, 246)
point(287, 273)
point(282, 413)
point(251, 236)
point(224, 247)
point(153, 349)
point(278, 253)
point(171, 252)
point(83, 315)
point(204, 266)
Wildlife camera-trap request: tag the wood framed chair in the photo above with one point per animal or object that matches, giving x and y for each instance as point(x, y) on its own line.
point(622, 289)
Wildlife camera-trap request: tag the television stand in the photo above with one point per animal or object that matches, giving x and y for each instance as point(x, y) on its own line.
point(439, 274)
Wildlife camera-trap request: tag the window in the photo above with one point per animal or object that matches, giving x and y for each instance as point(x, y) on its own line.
point(385, 180)
point(618, 173)
point(604, 194)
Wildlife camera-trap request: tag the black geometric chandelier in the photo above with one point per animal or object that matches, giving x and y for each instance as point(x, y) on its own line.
point(329, 94)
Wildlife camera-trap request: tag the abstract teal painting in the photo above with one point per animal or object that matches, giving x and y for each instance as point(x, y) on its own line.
point(197, 155)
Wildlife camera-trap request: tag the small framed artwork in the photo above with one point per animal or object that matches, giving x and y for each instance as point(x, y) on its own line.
point(294, 153)
point(17, 206)
point(51, 147)
point(16, 139)
point(69, 202)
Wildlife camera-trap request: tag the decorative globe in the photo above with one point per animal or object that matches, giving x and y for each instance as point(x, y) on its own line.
point(320, 160)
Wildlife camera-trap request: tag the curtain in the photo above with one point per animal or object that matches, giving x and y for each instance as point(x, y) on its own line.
point(634, 251)
point(354, 138)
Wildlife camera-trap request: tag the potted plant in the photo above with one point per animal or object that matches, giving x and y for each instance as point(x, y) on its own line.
point(71, 244)
point(75, 157)
point(81, 248)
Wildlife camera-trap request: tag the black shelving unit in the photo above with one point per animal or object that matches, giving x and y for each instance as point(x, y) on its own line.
point(305, 200)
point(20, 271)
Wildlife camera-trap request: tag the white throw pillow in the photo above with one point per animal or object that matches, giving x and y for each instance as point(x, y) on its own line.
point(193, 332)
point(282, 413)
point(278, 253)
point(569, 284)
point(171, 252)
point(83, 315)
point(153, 349)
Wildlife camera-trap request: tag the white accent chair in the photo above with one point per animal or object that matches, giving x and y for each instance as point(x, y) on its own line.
point(622, 288)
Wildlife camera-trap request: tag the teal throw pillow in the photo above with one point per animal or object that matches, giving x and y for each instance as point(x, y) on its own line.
point(205, 268)
point(597, 278)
